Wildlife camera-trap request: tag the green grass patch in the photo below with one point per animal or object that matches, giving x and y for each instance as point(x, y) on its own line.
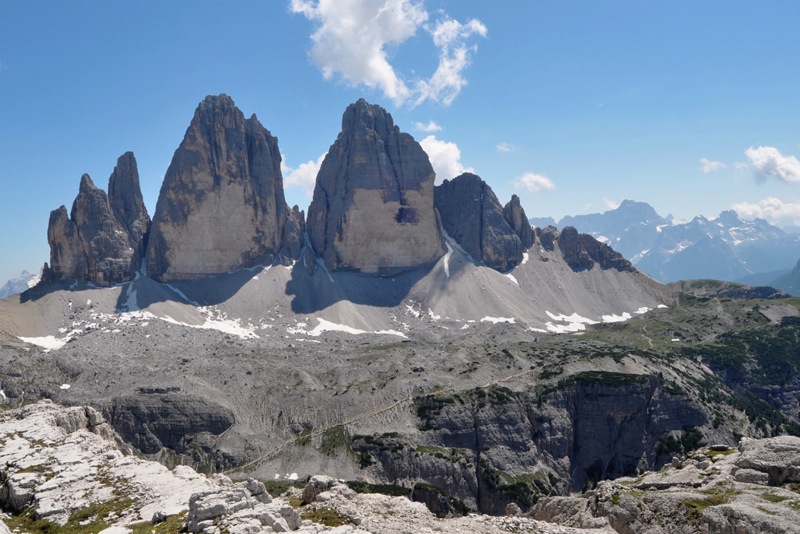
point(325, 516)
point(773, 497)
point(88, 520)
point(276, 488)
point(172, 525)
point(716, 454)
point(335, 439)
point(715, 498)
point(391, 490)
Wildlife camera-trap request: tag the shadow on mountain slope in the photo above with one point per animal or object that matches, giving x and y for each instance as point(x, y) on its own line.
point(315, 292)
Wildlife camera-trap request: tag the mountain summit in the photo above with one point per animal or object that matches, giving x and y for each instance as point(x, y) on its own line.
point(221, 206)
point(102, 239)
point(372, 209)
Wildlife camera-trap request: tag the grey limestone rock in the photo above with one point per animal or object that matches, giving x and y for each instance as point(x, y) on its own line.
point(472, 215)
point(778, 458)
point(372, 209)
point(221, 206)
point(127, 203)
point(516, 218)
point(90, 244)
point(582, 251)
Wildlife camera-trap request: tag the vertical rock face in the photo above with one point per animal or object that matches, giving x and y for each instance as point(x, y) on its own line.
point(91, 244)
point(472, 215)
point(516, 218)
point(125, 199)
point(372, 209)
point(221, 206)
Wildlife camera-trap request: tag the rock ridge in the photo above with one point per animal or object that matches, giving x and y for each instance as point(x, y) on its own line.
point(471, 214)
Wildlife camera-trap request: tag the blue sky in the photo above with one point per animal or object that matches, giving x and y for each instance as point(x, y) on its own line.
point(573, 105)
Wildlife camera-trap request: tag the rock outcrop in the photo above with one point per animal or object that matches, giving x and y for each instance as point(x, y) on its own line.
point(516, 218)
point(127, 203)
point(64, 469)
point(101, 240)
point(372, 209)
point(472, 215)
point(221, 206)
point(582, 251)
point(715, 489)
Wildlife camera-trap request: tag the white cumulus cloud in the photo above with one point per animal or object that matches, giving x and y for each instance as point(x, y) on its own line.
point(533, 182)
point(505, 147)
point(772, 209)
point(304, 177)
point(768, 162)
point(445, 158)
point(431, 126)
point(353, 37)
point(710, 166)
point(450, 36)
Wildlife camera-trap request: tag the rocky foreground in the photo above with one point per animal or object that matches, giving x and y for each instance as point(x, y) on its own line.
point(65, 468)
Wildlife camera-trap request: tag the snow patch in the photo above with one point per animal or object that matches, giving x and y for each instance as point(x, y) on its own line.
point(328, 326)
point(220, 323)
point(447, 260)
point(511, 277)
point(572, 319)
point(662, 306)
point(182, 295)
point(642, 310)
point(565, 328)
point(524, 258)
point(47, 342)
point(613, 318)
point(495, 320)
point(433, 315)
point(64, 386)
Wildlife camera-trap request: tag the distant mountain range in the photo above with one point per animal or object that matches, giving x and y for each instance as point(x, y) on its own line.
point(19, 284)
point(724, 248)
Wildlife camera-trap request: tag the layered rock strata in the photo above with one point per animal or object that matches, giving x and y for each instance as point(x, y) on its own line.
point(373, 208)
point(490, 233)
point(221, 206)
point(102, 240)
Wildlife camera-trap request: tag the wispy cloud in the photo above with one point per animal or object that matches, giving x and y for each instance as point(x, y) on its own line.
point(304, 177)
point(445, 158)
point(431, 126)
point(533, 183)
point(710, 166)
point(451, 37)
point(610, 204)
point(772, 209)
point(505, 147)
point(768, 163)
point(352, 37)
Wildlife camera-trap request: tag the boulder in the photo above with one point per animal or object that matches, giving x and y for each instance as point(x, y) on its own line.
point(472, 215)
point(372, 209)
point(221, 206)
point(778, 458)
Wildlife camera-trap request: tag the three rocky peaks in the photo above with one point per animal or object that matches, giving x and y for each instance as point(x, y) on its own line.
point(221, 208)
